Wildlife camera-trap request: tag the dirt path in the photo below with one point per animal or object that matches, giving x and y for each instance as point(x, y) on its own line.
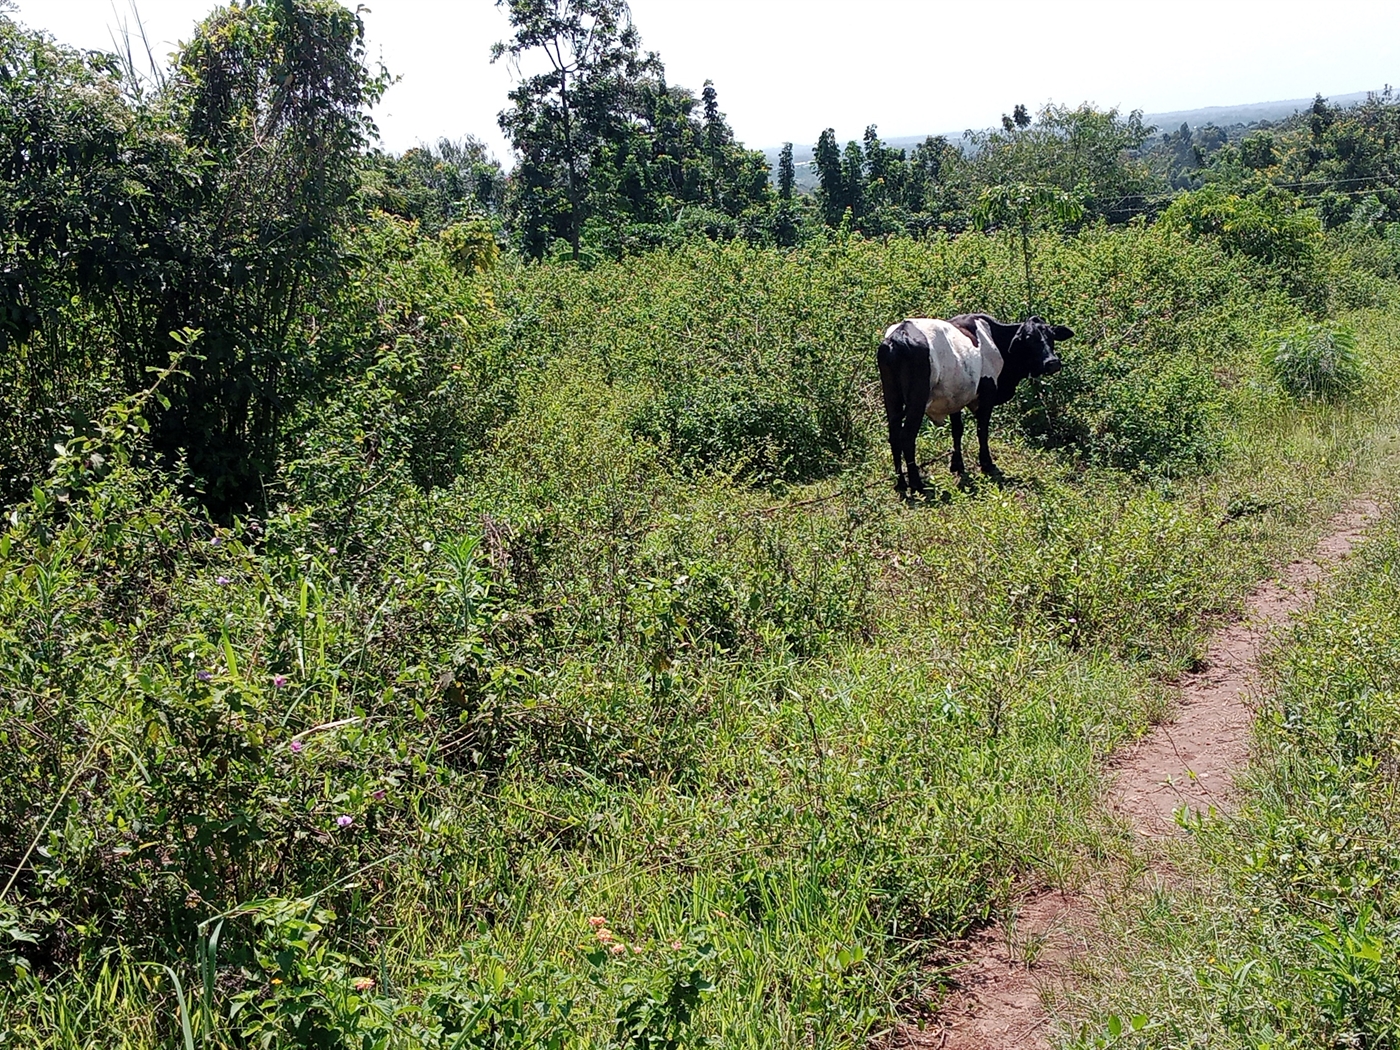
point(1187, 763)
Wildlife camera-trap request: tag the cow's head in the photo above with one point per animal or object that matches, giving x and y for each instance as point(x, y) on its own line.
point(1034, 345)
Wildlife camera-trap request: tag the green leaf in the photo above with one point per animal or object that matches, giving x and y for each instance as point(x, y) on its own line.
point(229, 657)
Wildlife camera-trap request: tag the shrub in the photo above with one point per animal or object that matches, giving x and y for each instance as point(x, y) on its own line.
point(1267, 225)
point(1314, 361)
point(734, 425)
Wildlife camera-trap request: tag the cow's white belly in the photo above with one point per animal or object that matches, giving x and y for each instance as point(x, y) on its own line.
point(956, 368)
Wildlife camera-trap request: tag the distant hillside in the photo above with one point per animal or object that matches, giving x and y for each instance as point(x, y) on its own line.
point(1222, 116)
point(1249, 113)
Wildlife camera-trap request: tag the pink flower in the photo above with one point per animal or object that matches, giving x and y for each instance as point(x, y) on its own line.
point(344, 820)
point(618, 949)
point(295, 745)
point(279, 680)
point(363, 984)
point(222, 581)
point(378, 796)
point(597, 920)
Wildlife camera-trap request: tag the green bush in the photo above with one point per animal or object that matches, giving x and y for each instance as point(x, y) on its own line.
point(731, 424)
point(1267, 225)
point(1316, 361)
point(761, 361)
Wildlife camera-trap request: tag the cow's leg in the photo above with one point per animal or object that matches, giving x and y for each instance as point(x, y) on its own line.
point(894, 409)
point(915, 404)
point(986, 400)
point(984, 451)
point(956, 463)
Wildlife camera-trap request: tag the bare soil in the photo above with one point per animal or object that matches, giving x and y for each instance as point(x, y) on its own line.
point(1185, 766)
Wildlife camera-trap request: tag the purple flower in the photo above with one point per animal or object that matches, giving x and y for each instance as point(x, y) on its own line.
point(223, 581)
point(295, 745)
point(378, 796)
point(333, 550)
point(344, 820)
point(279, 680)
point(215, 541)
point(204, 676)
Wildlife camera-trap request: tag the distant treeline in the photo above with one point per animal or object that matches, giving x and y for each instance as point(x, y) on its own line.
point(613, 159)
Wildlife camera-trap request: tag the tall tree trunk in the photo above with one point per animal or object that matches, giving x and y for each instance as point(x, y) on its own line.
point(574, 231)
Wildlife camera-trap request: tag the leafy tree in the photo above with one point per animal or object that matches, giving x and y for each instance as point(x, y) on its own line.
point(1090, 153)
point(787, 172)
point(1322, 118)
point(1257, 151)
point(270, 97)
point(1018, 120)
point(1336, 156)
point(437, 185)
point(610, 155)
point(68, 149)
point(1017, 207)
point(853, 175)
point(214, 202)
point(1267, 225)
point(834, 194)
point(558, 118)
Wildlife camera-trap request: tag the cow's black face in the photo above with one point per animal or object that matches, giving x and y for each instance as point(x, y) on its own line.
point(1034, 343)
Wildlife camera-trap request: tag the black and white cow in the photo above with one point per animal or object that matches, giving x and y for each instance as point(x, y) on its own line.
point(938, 368)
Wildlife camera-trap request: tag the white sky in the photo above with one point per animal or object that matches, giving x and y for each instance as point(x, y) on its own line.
point(786, 69)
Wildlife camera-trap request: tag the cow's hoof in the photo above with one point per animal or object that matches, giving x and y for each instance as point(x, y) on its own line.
point(956, 466)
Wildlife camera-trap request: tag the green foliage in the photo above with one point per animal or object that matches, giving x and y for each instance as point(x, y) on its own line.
point(470, 246)
point(1266, 225)
point(452, 182)
point(1018, 207)
point(880, 191)
point(74, 155)
point(1316, 361)
point(217, 203)
point(1332, 157)
point(1085, 153)
point(775, 741)
point(609, 153)
point(269, 100)
point(575, 681)
point(771, 376)
point(413, 333)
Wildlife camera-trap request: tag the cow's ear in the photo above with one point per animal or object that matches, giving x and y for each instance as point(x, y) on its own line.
point(1060, 332)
